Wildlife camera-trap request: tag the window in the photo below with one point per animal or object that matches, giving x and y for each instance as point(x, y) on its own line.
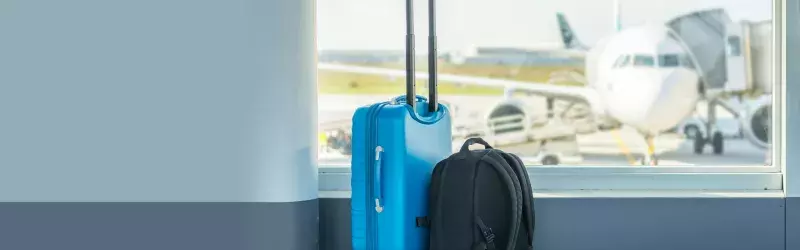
point(643, 60)
point(734, 46)
point(669, 61)
point(594, 147)
point(622, 61)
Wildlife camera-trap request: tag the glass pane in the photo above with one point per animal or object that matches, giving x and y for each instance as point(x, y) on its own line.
point(643, 60)
point(562, 55)
point(668, 61)
point(626, 61)
point(734, 46)
point(618, 62)
point(622, 61)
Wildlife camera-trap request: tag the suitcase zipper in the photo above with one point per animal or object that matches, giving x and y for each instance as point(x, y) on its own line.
point(372, 218)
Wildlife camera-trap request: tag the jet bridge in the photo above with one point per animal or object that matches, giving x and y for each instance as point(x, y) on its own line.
point(759, 54)
point(731, 56)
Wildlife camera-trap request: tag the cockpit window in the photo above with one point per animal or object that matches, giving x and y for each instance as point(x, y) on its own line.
point(662, 61)
point(618, 62)
point(643, 60)
point(626, 61)
point(622, 61)
point(668, 61)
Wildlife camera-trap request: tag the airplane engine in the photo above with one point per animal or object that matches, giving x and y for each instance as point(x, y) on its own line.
point(757, 122)
point(509, 121)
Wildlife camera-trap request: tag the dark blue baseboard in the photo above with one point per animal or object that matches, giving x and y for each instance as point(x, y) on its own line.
point(159, 226)
point(627, 223)
point(334, 224)
point(562, 223)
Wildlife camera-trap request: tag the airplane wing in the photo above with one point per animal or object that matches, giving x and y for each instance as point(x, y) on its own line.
point(569, 93)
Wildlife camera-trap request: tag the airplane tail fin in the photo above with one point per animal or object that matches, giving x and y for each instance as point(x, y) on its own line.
point(568, 36)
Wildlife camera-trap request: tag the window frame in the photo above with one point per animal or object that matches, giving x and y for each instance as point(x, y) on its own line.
point(691, 179)
point(790, 33)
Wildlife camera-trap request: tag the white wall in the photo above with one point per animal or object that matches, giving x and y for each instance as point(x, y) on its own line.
point(157, 100)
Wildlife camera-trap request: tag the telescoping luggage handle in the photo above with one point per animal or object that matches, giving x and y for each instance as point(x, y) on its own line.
point(433, 102)
point(470, 141)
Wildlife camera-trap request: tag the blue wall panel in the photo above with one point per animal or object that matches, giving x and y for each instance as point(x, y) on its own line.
point(660, 223)
point(793, 223)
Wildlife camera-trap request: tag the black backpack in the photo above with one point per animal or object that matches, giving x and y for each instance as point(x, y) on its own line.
point(480, 199)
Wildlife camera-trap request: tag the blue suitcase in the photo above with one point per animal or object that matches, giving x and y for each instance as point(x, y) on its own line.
point(396, 145)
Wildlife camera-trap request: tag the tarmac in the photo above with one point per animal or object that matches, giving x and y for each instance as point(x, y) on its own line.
point(594, 149)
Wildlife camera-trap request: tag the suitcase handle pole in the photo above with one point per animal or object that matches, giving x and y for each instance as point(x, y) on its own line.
point(410, 77)
point(433, 102)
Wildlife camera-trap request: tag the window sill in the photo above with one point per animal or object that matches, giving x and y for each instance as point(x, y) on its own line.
point(620, 194)
point(620, 179)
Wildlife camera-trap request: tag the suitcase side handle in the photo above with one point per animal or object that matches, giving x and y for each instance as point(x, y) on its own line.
point(377, 189)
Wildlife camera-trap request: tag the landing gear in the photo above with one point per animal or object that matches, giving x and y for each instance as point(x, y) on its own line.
point(650, 158)
point(717, 142)
point(699, 144)
point(716, 139)
point(691, 131)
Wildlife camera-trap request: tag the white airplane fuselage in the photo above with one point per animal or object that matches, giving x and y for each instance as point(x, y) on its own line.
point(645, 78)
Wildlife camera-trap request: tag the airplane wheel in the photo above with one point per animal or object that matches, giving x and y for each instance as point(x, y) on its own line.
point(550, 160)
point(717, 141)
point(699, 144)
point(691, 131)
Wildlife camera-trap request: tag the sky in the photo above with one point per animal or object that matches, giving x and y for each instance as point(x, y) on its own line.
point(380, 24)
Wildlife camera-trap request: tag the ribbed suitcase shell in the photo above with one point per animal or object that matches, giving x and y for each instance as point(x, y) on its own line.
point(412, 143)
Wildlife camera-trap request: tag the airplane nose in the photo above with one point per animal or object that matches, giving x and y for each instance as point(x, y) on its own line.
point(638, 87)
point(654, 100)
point(632, 94)
point(680, 79)
point(676, 99)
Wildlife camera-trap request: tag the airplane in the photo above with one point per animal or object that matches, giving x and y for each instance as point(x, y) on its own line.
point(645, 77)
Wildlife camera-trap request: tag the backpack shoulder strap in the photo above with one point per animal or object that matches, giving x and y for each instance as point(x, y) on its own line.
point(529, 214)
point(434, 203)
point(508, 176)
